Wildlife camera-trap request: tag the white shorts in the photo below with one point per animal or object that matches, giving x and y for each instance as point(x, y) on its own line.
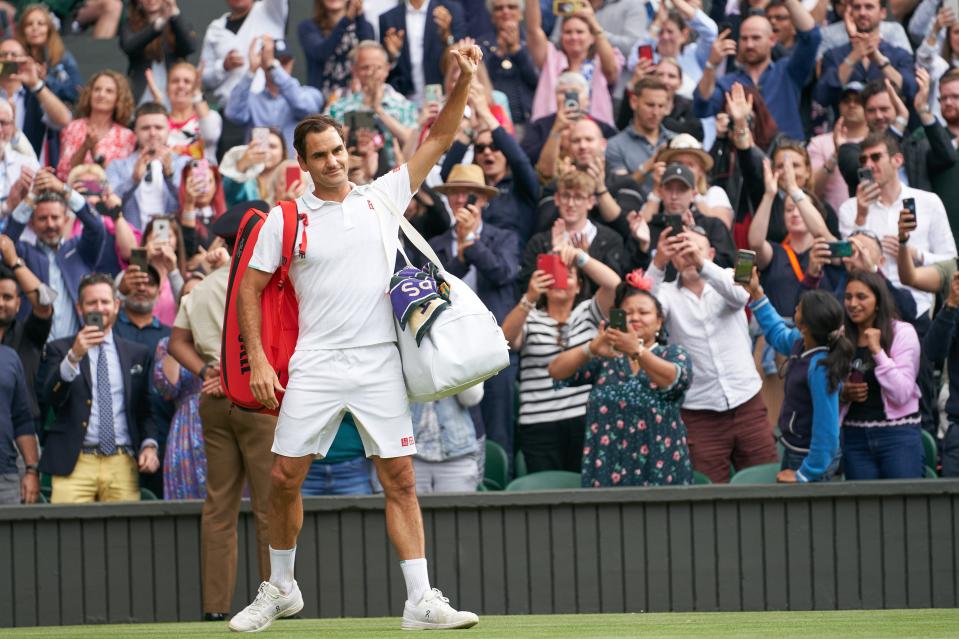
point(367, 381)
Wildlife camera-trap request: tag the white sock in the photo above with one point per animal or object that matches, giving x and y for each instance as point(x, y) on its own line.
point(281, 568)
point(417, 579)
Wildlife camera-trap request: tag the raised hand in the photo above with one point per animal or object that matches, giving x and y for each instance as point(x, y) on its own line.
point(393, 41)
point(723, 46)
point(739, 104)
point(468, 58)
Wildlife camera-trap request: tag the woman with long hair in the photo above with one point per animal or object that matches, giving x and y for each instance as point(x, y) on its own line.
point(38, 34)
point(881, 421)
point(195, 128)
point(202, 201)
point(258, 172)
point(635, 435)
point(99, 133)
point(327, 39)
point(154, 36)
point(819, 358)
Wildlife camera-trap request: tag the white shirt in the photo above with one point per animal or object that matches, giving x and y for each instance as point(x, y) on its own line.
point(342, 284)
point(932, 237)
point(11, 163)
point(150, 194)
point(373, 9)
point(415, 32)
point(714, 330)
point(266, 17)
point(69, 372)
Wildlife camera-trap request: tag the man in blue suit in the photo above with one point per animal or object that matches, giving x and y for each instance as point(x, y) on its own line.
point(426, 29)
point(57, 262)
point(487, 258)
point(104, 431)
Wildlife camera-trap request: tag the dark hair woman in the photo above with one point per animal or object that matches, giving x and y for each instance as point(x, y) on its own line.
point(634, 433)
point(881, 422)
point(819, 357)
point(38, 34)
point(154, 36)
point(327, 39)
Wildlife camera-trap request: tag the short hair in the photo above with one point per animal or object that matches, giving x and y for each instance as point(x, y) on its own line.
point(7, 274)
point(149, 108)
point(490, 3)
point(86, 169)
point(50, 196)
point(576, 181)
point(93, 279)
point(648, 83)
point(881, 137)
point(574, 78)
point(874, 88)
point(313, 124)
point(367, 44)
point(951, 75)
point(776, 4)
point(122, 111)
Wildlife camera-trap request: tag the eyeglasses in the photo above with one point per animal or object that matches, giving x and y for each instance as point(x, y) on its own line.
point(577, 198)
point(479, 149)
point(505, 7)
point(875, 157)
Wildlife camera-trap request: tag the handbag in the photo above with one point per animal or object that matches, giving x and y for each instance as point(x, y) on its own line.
point(465, 345)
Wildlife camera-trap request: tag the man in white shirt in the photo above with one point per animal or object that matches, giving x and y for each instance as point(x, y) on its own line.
point(878, 205)
point(346, 357)
point(725, 417)
point(12, 162)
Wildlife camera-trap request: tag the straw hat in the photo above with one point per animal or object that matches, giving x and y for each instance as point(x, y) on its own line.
point(685, 143)
point(467, 176)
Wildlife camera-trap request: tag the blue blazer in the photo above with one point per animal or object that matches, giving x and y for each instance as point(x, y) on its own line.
point(496, 256)
point(75, 258)
point(401, 76)
point(63, 439)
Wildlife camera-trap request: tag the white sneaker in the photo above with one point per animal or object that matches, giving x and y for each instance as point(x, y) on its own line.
point(434, 612)
point(269, 604)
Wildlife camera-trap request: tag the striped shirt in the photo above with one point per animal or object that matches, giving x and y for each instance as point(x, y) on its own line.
point(543, 339)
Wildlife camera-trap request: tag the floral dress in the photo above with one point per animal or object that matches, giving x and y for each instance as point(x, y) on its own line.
point(634, 433)
point(184, 464)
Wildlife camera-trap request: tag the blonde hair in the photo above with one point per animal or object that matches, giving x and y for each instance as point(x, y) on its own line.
point(87, 169)
point(576, 181)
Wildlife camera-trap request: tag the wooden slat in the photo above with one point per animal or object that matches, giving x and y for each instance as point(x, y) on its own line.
point(751, 561)
point(469, 560)
point(306, 567)
point(354, 569)
point(587, 552)
point(72, 592)
point(24, 574)
point(799, 576)
point(493, 548)
point(188, 569)
point(244, 591)
point(444, 555)
point(634, 558)
point(329, 578)
point(657, 557)
point(374, 550)
point(894, 550)
point(516, 541)
point(7, 617)
point(705, 580)
point(682, 596)
point(870, 553)
point(563, 560)
point(611, 563)
point(846, 541)
point(823, 555)
point(942, 547)
point(165, 576)
point(119, 569)
point(918, 555)
point(144, 559)
point(95, 573)
point(774, 555)
point(540, 561)
point(48, 572)
point(727, 553)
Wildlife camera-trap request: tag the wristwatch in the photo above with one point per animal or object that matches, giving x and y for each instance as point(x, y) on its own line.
point(15, 265)
point(32, 468)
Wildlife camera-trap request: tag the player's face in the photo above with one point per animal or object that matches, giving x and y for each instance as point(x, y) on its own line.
point(327, 159)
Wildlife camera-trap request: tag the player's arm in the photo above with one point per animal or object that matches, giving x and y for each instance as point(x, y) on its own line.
point(448, 121)
point(263, 380)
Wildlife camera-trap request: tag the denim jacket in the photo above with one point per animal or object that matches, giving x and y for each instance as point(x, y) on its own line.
point(444, 429)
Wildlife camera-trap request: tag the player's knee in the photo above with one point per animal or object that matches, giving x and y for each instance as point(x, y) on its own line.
point(283, 479)
point(399, 481)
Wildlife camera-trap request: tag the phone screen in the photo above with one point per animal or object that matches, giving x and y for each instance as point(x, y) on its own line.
point(843, 248)
point(292, 175)
point(93, 318)
point(646, 52)
point(675, 223)
point(161, 230)
point(138, 257)
point(743, 271)
point(617, 319)
point(865, 174)
point(909, 204)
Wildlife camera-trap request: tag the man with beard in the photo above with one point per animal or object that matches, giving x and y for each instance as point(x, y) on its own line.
point(945, 184)
point(780, 83)
point(58, 263)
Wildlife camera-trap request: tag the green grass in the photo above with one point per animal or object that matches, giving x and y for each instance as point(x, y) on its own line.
point(899, 624)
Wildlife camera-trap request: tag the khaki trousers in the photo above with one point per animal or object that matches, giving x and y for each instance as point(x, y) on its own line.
point(237, 448)
point(98, 478)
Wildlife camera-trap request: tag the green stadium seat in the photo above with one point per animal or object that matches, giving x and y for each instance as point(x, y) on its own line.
point(546, 480)
point(700, 479)
point(929, 449)
point(497, 465)
point(762, 474)
point(147, 495)
point(519, 464)
point(929, 473)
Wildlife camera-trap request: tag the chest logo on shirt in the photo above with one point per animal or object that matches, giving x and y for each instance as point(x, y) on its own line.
point(369, 203)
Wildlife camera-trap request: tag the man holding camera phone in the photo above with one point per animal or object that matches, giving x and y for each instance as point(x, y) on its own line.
point(104, 431)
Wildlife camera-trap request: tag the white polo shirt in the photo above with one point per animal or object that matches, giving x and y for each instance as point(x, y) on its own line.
point(932, 237)
point(341, 285)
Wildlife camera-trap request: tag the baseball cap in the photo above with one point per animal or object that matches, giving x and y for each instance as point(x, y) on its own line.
point(853, 87)
point(679, 172)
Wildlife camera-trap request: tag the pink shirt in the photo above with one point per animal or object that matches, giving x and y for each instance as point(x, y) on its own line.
point(600, 101)
point(820, 149)
point(896, 373)
point(119, 142)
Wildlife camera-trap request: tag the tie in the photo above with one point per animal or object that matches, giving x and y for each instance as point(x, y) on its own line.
point(108, 438)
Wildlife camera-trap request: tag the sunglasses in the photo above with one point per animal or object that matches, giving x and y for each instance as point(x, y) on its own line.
point(875, 157)
point(479, 149)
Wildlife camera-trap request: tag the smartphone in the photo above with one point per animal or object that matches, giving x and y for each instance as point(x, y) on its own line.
point(842, 248)
point(357, 120)
point(857, 377)
point(93, 318)
point(8, 68)
point(675, 224)
point(909, 208)
point(552, 263)
point(565, 8)
point(433, 93)
point(865, 174)
point(260, 135)
point(571, 101)
point(92, 187)
point(292, 175)
point(471, 199)
point(201, 171)
point(161, 230)
point(138, 258)
point(743, 270)
point(646, 52)
point(617, 319)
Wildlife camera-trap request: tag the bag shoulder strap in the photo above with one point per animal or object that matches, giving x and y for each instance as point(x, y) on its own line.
point(793, 260)
point(290, 226)
point(413, 235)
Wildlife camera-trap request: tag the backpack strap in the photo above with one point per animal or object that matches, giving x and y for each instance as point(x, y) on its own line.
point(291, 219)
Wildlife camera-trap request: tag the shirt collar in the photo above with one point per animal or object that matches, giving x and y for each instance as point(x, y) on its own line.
point(411, 9)
point(123, 317)
point(313, 203)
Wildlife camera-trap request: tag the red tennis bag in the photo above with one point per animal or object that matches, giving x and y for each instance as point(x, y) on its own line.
point(279, 311)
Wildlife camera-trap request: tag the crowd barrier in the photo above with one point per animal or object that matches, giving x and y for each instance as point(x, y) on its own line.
point(848, 545)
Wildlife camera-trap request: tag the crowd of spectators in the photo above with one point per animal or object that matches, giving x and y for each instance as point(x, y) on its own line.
point(611, 169)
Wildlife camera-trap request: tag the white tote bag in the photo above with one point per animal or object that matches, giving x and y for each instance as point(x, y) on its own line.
point(464, 346)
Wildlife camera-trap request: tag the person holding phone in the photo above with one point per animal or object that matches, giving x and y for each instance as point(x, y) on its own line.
point(253, 171)
point(162, 248)
point(819, 359)
point(635, 434)
point(38, 31)
point(548, 320)
point(881, 418)
point(202, 200)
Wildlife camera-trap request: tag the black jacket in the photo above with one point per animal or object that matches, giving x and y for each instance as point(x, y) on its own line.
point(607, 247)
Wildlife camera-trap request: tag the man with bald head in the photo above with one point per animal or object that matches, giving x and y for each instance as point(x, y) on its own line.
point(779, 82)
point(13, 162)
